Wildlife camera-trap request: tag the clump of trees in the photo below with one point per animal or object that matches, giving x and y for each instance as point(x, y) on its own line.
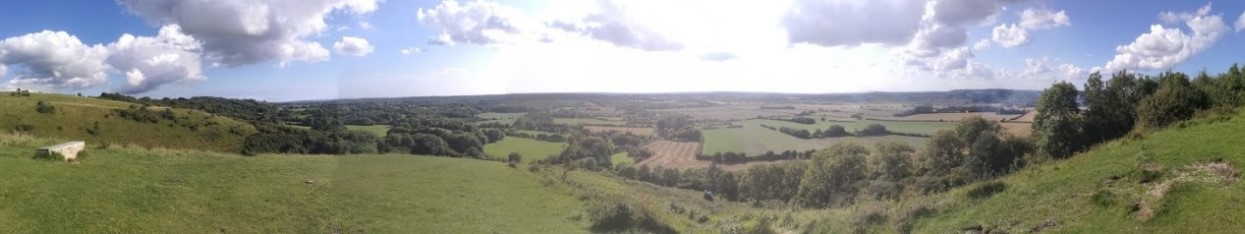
point(1125, 102)
point(873, 130)
point(677, 128)
point(20, 93)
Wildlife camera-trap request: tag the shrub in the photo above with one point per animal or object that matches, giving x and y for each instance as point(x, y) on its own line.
point(45, 108)
point(24, 128)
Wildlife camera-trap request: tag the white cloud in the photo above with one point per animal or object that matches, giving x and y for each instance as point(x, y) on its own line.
point(981, 44)
point(241, 32)
point(953, 60)
point(1163, 47)
point(614, 24)
point(1041, 70)
point(1010, 35)
point(1043, 19)
point(53, 60)
point(850, 23)
point(1240, 22)
point(411, 50)
point(353, 46)
point(475, 22)
point(149, 62)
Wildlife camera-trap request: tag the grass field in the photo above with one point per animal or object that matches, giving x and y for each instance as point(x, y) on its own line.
point(587, 121)
point(632, 130)
point(76, 118)
point(129, 190)
point(622, 159)
point(531, 149)
point(753, 139)
point(501, 118)
point(379, 130)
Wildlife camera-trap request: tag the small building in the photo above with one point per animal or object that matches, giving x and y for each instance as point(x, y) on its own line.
point(68, 151)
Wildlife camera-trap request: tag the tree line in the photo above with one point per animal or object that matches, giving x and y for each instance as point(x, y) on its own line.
point(976, 149)
point(1070, 121)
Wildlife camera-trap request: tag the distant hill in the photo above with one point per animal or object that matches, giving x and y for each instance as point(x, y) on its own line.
point(100, 121)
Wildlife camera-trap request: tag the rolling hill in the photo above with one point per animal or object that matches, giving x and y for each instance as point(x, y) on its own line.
point(100, 121)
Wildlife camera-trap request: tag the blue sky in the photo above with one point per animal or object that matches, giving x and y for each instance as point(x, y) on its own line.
point(283, 50)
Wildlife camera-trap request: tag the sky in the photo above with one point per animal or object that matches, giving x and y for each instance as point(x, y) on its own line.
point(285, 50)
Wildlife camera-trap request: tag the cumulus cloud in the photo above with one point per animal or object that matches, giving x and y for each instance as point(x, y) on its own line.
point(849, 23)
point(53, 60)
point(953, 60)
point(1043, 19)
point(353, 46)
point(612, 23)
point(241, 32)
point(475, 22)
point(1240, 22)
point(411, 50)
point(981, 44)
point(1042, 70)
point(149, 62)
point(1164, 47)
point(1010, 35)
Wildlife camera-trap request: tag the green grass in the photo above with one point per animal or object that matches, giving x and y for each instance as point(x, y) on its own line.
point(74, 116)
point(531, 149)
point(379, 130)
point(1065, 191)
point(128, 190)
point(622, 158)
point(753, 139)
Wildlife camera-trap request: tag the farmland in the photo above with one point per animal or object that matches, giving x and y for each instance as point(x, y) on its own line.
point(531, 150)
point(632, 130)
point(378, 130)
point(589, 121)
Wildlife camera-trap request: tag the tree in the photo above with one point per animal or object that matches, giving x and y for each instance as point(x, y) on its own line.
point(832, 177)
point(1175, 100)
point(835, 131)
point(1057, 125)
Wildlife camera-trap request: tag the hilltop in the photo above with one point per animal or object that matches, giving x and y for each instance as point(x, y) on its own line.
point(99, 121)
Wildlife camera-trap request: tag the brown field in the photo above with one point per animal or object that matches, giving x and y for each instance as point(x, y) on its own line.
point(682, 155)
point(632, 130)
point(951, 117)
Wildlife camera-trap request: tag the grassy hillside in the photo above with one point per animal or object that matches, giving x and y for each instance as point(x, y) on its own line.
point(1180, 180)
point(1184, 179)
point(140, 191)
point(97, 121)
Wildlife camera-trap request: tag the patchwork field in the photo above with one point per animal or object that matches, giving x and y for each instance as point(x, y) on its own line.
point(730, 112)
point(755, 140)
point(682, 155)
point(952, 117)
point(531, 149)
point(589, 121)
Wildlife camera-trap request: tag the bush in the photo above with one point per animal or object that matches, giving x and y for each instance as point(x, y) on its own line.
point(24, 128)
point(45, 108)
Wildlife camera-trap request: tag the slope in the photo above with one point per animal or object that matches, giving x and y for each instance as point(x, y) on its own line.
point(128, 189)
point(1179, 180)
point(100, 121)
